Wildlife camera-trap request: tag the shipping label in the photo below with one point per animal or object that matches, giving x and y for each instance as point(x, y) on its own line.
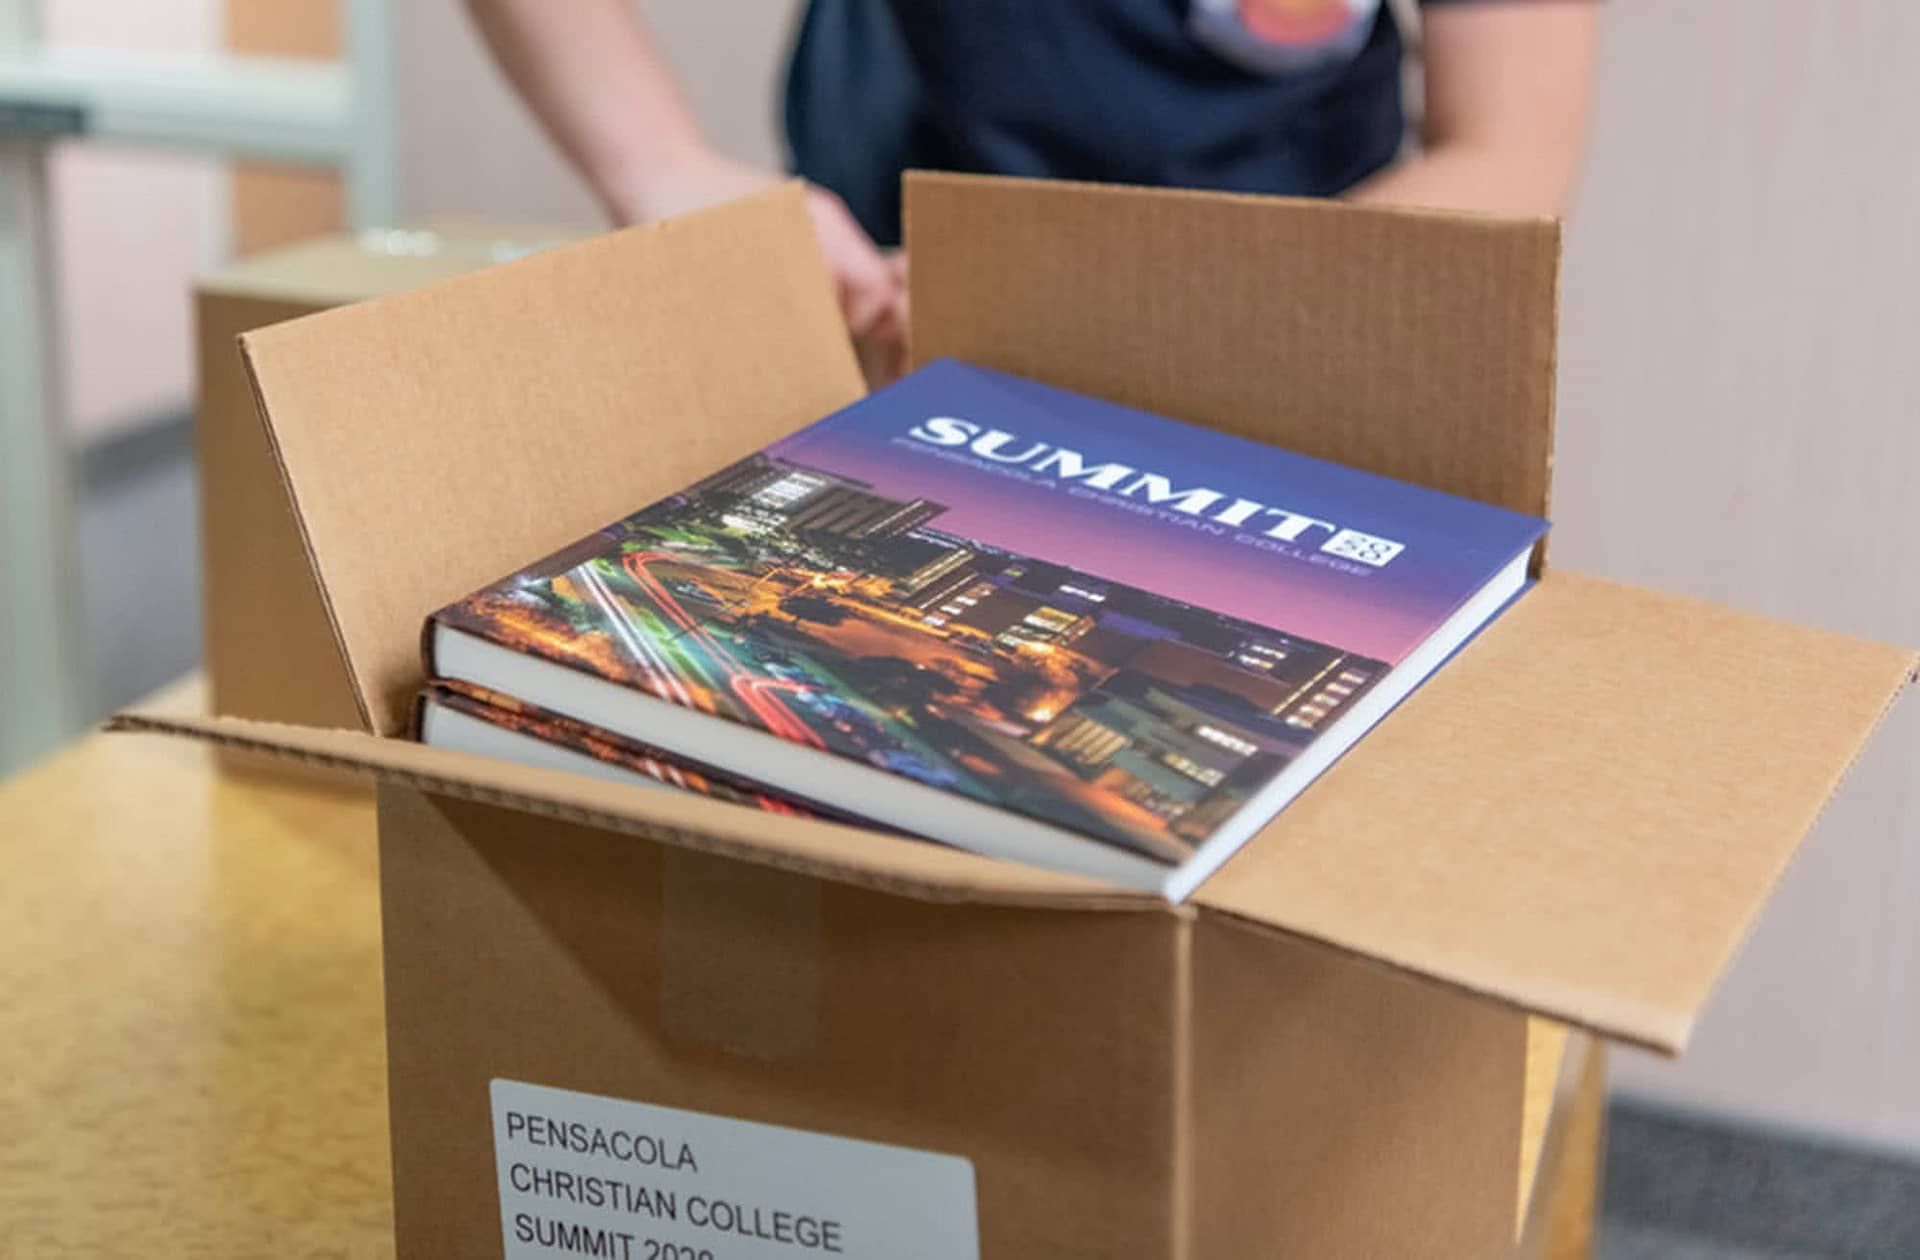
point(583, 1175)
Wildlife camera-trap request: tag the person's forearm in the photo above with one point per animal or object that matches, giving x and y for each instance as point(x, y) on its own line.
point(1508, 89)
point(590, 71)
point(1466, 177)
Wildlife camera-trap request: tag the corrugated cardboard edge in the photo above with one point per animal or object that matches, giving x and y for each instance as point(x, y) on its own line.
point(691, 822)
point(1537, 566)
point(268, 648)
point(665, 350)
point(1416, 344)
point(354, 687)
point(1647, 1026)
point(1310, 205)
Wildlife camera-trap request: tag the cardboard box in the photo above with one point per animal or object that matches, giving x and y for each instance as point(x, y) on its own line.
point(1318, 1054)
point(269, 650)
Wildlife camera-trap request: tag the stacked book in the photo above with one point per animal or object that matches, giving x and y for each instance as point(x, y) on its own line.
point(985, 612)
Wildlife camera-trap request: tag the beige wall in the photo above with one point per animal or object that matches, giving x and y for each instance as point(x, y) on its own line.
point(1740, 419)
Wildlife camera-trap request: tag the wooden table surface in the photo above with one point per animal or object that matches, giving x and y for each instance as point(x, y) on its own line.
point(193, 1052)
point(192, 1046)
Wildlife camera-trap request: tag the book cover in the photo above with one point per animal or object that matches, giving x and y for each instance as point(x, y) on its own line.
point(1098, 618)
point(521, 718)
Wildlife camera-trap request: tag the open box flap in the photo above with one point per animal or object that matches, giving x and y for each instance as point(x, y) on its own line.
point(1523, 827)
point(1580, 815)
point(435, 440)
point(851, 855)
point(1413, 344)
point(1583, 813)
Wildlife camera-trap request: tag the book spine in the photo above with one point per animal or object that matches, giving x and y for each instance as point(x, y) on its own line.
point(429, 632)
point(417, 721)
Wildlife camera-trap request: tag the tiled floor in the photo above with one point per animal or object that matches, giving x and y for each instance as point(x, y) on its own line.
point(1677, 1190)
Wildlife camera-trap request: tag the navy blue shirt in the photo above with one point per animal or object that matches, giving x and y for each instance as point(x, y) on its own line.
point(1277, 96)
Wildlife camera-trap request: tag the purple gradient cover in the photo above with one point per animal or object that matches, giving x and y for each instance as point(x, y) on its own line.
point(1453, 545)
point(1100, 618)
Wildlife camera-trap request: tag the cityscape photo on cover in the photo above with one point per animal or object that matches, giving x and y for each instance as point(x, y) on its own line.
point(1044, 643)
point(510, 713)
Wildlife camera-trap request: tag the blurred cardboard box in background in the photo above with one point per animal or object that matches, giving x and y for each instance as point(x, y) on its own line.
point(270, 652)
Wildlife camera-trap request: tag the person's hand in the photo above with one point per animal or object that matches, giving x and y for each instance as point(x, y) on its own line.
point(883, 354)
point(870, 287)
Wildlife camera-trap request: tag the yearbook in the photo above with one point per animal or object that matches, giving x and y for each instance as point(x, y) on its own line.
point(1006, 617)
point(473, 719)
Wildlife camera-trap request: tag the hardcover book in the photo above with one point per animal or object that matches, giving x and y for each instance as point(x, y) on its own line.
point(1007, 617)
point(473, 719)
